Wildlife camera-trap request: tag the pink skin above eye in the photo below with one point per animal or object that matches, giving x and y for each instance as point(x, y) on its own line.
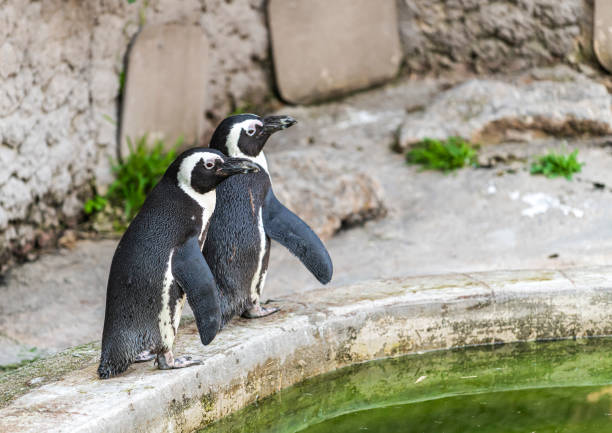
point(209, 162)
point(252, 127)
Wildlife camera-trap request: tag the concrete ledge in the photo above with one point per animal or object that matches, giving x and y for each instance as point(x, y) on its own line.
point(324, 330)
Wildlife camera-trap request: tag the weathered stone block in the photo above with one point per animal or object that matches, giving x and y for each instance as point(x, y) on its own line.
point(563, 103)
point(165, 88)
point(491, 35)
point(324, 48)
point(602, 33)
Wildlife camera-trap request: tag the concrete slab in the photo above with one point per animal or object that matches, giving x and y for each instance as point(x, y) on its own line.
point(55, 302)
point(322, 49)
point(602, 33)
point(165, 87)
point(326, 330)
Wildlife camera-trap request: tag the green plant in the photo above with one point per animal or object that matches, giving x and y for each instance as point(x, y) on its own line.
point(96, 204)
point(555, 165)
point(447, 155)
point(135, 177)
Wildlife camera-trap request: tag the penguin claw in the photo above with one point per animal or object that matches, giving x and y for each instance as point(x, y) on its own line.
point(257, 311)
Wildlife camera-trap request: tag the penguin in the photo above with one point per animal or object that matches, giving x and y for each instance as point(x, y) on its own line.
point(248, 215)
point(158, 263)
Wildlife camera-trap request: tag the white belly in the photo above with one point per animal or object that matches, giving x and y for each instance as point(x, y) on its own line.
point(165, 322)
point(262, 253)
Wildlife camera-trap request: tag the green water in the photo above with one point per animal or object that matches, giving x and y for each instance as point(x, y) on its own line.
point(560, 387)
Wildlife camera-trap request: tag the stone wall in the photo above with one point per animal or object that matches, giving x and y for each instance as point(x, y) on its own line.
point(493, 35)
point(60, 62)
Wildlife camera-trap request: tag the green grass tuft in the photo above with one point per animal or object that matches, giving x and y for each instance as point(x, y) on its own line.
point(556, 165)
point(134, 179)
point(446, 156)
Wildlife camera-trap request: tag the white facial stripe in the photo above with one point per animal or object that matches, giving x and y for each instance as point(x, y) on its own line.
point(206, 201)
point(186, 168)
point(232, 143)
point(187, 165)
point(234, 135)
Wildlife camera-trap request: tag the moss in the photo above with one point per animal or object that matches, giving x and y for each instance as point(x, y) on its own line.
point(209, 403)
point(19, 381)
point(9, 367)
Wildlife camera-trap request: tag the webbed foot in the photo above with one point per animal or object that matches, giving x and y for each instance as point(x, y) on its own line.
point(167, 361)
point(144, 356)
point(257, 311)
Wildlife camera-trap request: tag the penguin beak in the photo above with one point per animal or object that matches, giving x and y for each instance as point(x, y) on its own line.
point(232, 166)
point(271, 124)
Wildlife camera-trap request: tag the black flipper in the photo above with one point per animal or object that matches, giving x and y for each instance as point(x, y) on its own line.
point(289, 230)
point(195, 278)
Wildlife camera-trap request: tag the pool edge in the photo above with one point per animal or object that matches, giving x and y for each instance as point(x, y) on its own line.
point(323, 330)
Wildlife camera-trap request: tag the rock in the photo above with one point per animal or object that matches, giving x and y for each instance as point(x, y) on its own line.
point(322, 48)
point(11, 60)
point(325, 190)
point(506, 22)
point(602, 37)
point(490, 111)
point(165, 87)
point(491, 35)
point(68, 239)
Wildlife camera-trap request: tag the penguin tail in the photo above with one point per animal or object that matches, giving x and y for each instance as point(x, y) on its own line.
point(108, 369)
point(104, 370)
point(112, 365)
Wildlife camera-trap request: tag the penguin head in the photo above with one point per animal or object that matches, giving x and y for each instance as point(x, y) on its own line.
point(201, 169)
point(244, 135)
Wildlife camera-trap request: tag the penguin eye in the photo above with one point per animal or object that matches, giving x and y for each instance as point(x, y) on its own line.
point(250, 131)
point(209, 165)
